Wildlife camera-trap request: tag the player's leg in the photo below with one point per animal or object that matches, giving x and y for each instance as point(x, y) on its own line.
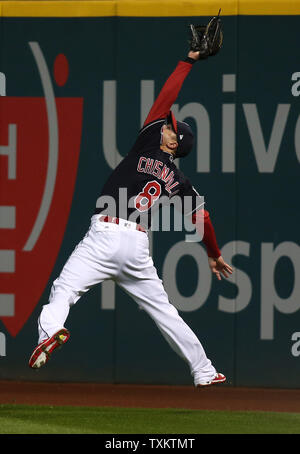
point(86, 267)
point(140, 280)
point(91, 262)
point(152, 298)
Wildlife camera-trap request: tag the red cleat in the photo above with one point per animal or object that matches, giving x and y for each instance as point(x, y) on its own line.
point(41, 354)
point(218, 378)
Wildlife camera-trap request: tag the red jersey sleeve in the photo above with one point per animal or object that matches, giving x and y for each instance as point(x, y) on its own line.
point(169, 92)
point(209, 236)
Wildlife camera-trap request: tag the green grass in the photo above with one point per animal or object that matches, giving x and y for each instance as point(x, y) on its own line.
point(25, 419)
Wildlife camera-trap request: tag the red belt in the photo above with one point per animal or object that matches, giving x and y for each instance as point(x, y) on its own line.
point(114, 220)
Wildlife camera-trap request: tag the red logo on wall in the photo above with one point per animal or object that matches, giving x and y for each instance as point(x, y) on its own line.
point(39, 150)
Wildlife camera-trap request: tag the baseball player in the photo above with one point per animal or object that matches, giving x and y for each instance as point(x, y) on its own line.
point(117, 247)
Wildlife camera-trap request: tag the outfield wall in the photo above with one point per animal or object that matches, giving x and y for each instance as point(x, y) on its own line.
point(76, 82)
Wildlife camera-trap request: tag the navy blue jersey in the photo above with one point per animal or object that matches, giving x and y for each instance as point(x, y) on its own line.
point(148, 177)
point(145, 179)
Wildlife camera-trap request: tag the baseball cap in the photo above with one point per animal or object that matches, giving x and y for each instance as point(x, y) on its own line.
point(185, 136)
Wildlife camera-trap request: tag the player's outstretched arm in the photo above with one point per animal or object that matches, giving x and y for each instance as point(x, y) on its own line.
point(206, 41)
point(215, 260)
point(171, 88)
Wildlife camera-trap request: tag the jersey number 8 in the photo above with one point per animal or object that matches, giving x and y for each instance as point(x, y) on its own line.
point(147, 197)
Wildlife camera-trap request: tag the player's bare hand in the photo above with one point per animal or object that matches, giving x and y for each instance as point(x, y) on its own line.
point(194, 55)
point(219, 267)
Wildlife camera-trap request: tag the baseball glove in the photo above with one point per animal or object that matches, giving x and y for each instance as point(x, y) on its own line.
point(207, 39)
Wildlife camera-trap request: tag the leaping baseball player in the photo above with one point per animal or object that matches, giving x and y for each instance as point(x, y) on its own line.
point(117, 248)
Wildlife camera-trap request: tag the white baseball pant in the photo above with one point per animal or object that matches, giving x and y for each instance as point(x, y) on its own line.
point(120, 253)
